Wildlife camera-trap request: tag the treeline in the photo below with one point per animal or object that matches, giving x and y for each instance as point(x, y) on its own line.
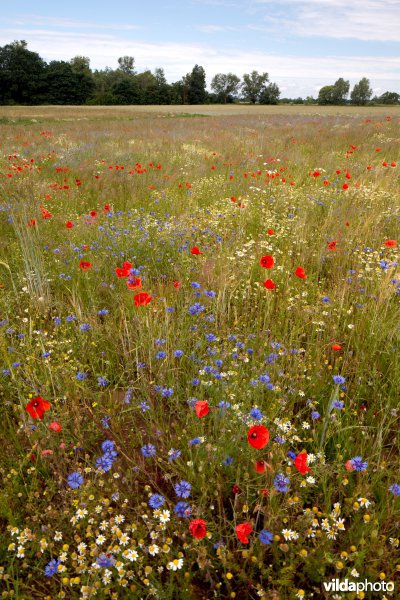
point(25, 78)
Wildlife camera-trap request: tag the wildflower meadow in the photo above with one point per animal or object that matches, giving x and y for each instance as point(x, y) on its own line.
point(199, 345)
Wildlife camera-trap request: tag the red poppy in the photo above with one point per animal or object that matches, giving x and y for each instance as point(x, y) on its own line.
point(267, 262)
point(134, 283)
point(349, 465)
point(202, 409)
point(271, 232)
point(195, 250)
point(233, 199)
point(46, 214)
point(391, 243)
point(336, 347)
point(269, 284)
point(31, 223)
point(242, 531)
point(55, 426)
point(258, 436)
point(393, 164)
point(121, 273)
point(68, 225)
point(85, 265)
point(127, 265)
point(198, 529)
point(260, 466)
point(236, 489)
point(106, 208)
point(142, 299)
point(300, 272)
point(177, 284)
point(93, 214)
point(332, 245)
point(37, 407)
point(345, 186)
point(264, 492)
point(300, 462)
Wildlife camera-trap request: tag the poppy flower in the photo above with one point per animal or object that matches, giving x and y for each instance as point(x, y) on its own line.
point(177, 284)
point(68, 225)
point(300, 462)
point(85, 265)
point(336, 347)
point(55, 426)
point(300, 272)
point(267, 262)
point(260, 466)
point(31, 223)
point(46, 214)
point(236, 489)
point(258, 436)
point(270, 232)
point(135, 283)
point(242, 531)
point(106, 208)
point(332, 245)
point(202, 409)
point(142, 299)
point(127, 265)
point(269, 284)
point(93, 214)
point(345, 186)
point(198, 528)
point(349, 466)
point(195, 250)
point(391, 243)
point(121, 273)
point(37, 407)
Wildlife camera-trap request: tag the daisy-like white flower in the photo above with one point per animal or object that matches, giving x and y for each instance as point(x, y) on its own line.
point(154, 549)
point(289, 534)
point(81, 548)
point(364, 502)
point(100, 539)
point(58, 536)
point(119, 519)
point(130, 554)
point(124, 539)
point(354, 573)
point(175, 565)
point(165, 516)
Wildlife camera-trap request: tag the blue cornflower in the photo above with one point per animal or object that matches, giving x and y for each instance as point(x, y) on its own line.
point(105, 560)
point(182, 489)
point(84, 327)
point(224, 405)
point(210, 294)
point(16, 364)
point(265, 537)
point(75, 480)
point(219, 363)
point(264, 378)
point(291, 455)
point(196, 308)
point(228, 461)
point(106, 422)
point(141, 365)
point(315, 415)
point(6, 372)
point(46, 354)
point(156, 500)
point(195, 285)
point(210, 337)
point(358, 464)
point(195, 381)
point(195, 441)
point(167, 392)
point(102, 312)
point(70, 318)
point(338, 380)
point(52, 567)
point(395, 489)
point(256, 414)
point(108, 446)
point(128, 396)
point(178, 353)
point(102, 381)
point(325, 299)
point(337, 404)
point(281, 482)
point(57, 320)
point(144, 406)
point(161, 355)
point(148, 450)
point(182, 509)
point(105, 462)
point(159, 342)
point(173, 454)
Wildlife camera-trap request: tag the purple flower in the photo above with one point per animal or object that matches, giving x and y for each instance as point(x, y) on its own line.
point(51, 568)
point(281, 482)
point(338, 380)
point(148, 450)
point(182, 489)
point(75, 480)
point(156, 500)
point(182, 509)
point(395, 489)
point(358, 464)
point(105, 560)
point(265, 537)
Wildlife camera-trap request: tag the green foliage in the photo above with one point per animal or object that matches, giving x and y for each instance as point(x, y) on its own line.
point(254, 85)
point(361, 92)
point(225, 86)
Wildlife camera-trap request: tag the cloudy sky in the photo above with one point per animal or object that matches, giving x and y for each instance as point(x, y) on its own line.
point(302, 44)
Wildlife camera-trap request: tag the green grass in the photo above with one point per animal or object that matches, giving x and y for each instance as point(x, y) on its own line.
point(74, 337)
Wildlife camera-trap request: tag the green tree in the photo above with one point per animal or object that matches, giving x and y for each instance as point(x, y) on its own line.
point(340, 91)
point(225, 86)
point(389, 98)
point(126, 64)
point(21, 74)
point(325, 95)
point(361, 93)
point(196, 82)
point(126, 91)
point(270, 94)
point(254, 85)
point(64, 85)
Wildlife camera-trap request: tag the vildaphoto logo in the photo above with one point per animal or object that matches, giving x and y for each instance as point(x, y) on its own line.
point(335, 585)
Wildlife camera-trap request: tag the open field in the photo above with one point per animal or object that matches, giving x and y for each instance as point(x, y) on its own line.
point(199, 346)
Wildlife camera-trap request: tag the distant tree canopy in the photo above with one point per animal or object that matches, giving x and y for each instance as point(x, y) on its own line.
point(25, 78)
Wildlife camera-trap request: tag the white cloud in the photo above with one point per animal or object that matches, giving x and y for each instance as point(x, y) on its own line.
point(368, 20)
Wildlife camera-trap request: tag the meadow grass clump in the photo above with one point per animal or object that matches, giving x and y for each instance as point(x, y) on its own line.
point(199, 342)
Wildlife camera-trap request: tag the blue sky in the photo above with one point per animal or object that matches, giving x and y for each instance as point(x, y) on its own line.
point(302, 44)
